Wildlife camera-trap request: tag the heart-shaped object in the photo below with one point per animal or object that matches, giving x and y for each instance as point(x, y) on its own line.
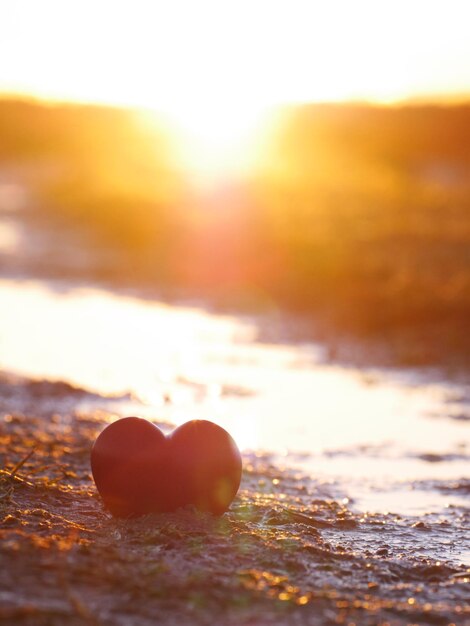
point(138, 470)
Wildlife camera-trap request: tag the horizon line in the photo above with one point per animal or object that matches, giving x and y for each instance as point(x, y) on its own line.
point(438, 99)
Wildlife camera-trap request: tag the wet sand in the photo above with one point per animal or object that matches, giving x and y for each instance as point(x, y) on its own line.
point(291, 550)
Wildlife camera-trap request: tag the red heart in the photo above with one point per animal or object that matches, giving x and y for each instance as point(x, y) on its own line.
point(138, 470)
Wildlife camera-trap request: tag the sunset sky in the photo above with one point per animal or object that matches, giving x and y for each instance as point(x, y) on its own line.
point(212, 66)
point(161, 54)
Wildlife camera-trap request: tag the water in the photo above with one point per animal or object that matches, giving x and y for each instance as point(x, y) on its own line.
point(382, 435)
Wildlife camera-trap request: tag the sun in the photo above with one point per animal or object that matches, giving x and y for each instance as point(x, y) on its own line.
point(213, 68)
point(215, 137)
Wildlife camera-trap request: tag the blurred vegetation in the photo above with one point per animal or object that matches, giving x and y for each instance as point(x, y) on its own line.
point(97, 166)
point(369, 208)
point(358, 215)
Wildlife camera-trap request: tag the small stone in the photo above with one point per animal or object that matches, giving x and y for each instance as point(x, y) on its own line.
point(419, 525)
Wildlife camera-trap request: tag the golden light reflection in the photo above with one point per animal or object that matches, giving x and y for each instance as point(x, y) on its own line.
point(158, 351)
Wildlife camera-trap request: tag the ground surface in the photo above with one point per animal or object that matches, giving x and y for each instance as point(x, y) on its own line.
point(289, 551)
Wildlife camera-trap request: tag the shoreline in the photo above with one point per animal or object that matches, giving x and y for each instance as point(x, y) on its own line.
point(290, 550)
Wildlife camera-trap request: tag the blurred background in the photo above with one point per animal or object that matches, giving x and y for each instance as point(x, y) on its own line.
point(304, 158)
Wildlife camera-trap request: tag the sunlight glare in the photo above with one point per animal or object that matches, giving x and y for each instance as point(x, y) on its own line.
point(158, 53)
point(212, 68)
point(215, 139)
